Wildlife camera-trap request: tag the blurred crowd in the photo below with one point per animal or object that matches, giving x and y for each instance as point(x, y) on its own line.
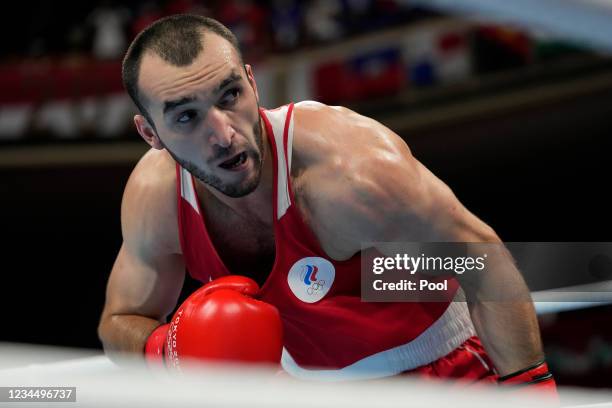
point(54, 52)
point(104, 29)
point(60, 72)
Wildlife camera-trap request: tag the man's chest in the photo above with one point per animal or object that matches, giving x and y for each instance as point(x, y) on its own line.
point(246, 247)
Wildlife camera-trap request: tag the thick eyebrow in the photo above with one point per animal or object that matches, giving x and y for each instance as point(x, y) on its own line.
point(233, 77)
point(173, 104)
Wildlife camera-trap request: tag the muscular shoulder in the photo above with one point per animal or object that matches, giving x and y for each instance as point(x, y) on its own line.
point(149, 207)
point(353, 173)
point(326, 134)
point(362, 184)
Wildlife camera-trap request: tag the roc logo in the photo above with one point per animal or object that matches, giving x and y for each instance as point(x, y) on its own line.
point(311, 278)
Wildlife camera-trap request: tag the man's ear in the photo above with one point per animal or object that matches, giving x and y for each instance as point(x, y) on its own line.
point(147, 132)
point(249, 71)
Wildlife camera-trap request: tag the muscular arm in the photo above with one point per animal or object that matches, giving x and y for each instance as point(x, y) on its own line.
point(499, 301)
point(369, 188)
point(148, 274)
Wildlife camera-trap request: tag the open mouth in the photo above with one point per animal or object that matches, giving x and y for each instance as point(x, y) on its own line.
point(234, 162)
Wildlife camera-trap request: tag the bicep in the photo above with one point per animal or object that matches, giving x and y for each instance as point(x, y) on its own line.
point(146, 287)
point(395, 198)
point(149, 271)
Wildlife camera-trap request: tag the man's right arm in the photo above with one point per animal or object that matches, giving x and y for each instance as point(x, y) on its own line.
point(148, 274)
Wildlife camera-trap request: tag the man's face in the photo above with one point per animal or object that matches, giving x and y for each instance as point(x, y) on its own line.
point(206, 115)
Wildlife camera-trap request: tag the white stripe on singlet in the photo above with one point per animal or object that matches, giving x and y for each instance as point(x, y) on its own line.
point(451, 330)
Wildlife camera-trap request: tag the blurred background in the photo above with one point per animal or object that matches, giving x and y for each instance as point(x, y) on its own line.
point(511, 107)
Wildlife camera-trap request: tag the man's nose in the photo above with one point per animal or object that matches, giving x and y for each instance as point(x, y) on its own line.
point(222, 132)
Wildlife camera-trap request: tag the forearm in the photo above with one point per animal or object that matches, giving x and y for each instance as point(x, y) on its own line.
point(125, 333)
point(509, 333)
point(503, 313)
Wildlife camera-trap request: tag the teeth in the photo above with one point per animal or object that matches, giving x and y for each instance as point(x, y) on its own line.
point(238, 161)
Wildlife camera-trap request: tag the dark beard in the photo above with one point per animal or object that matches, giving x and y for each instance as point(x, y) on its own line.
point(230, 190)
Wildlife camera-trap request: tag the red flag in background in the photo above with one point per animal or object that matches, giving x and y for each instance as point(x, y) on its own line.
point(369, 75)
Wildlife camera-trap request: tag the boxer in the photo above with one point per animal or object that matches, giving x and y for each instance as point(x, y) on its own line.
point(286, 197)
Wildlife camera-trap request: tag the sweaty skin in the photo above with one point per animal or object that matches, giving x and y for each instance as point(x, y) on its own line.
point(354, 181)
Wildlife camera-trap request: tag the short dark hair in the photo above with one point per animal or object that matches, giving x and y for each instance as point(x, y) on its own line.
point(177, 39)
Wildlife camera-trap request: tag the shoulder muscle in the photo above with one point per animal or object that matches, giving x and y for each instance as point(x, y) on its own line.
point(149, 207)
point(364, 184)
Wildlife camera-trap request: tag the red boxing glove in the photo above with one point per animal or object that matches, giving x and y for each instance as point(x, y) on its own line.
point(221, 321)
point(536, 378)
point(155, 346)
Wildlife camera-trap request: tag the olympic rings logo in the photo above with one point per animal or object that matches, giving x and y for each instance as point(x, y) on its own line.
point(315, 287)
point(311, 278)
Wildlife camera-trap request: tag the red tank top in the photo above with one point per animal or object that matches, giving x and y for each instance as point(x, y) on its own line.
point(329, 332)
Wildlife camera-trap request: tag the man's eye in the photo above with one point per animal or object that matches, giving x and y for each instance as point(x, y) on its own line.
point(229, 97)
point(186, 117)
